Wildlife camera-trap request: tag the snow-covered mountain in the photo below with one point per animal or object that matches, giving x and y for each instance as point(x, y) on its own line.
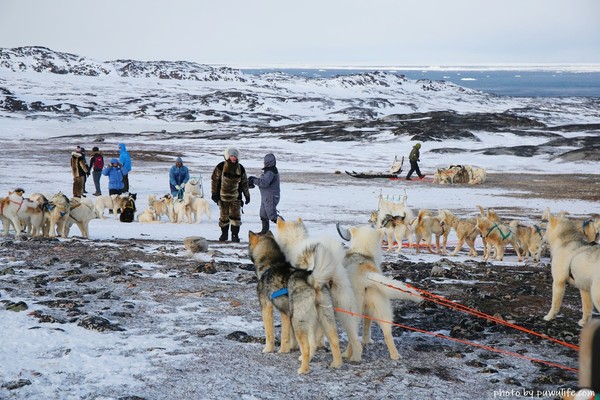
point(39, 83)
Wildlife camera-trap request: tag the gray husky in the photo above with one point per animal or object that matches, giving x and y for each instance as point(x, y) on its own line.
point(303, 298)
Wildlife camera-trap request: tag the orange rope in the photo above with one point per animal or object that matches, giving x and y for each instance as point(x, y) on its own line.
point(439, 335)
point(460, 307)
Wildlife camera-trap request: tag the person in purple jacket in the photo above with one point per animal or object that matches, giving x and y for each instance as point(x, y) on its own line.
point(270, 192)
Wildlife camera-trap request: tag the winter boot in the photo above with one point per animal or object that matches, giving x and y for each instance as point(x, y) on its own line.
point(235, 230)
point(265, 226)
point(224, 233)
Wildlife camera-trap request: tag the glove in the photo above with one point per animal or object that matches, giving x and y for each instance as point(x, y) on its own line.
point(251, 182)
point(247, 200)
point(177, 187)
point(215, 198)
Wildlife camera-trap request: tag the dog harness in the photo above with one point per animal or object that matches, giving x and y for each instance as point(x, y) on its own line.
point(504, 237)
point(539, 230)
point(279, 293)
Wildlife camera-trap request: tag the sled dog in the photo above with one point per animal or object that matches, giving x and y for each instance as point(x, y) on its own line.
point(147, 216)
point(303, 298)
point(114, 202)
point(15, 208)
point(395, 228)
point(81, 213)
point(301, 251)
point(426, 226)
point(465, 228)
point(193, 187)
point(363, 265)
point(60, 207)
point(498, 235)
point(574, 261)
point(128, 208)
point(198, 206)
point(162, 206)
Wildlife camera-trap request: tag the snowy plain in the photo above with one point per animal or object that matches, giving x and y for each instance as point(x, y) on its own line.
point(75, 363)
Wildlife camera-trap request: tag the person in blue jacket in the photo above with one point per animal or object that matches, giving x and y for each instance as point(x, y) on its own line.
point(268, 184)
point(115, 177)
point(178, 177)
point(125, 161)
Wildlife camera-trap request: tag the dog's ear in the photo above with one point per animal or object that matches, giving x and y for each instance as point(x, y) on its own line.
point(252, 238)
point(270, 234)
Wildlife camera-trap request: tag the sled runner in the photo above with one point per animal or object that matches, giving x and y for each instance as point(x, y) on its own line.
point(395, 171)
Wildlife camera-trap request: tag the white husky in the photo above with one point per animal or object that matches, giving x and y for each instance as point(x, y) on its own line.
point(574, 261)
point(363, 264)
point(304, 252)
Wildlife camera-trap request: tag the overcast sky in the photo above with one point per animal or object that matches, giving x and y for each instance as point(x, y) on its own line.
point(311, 32)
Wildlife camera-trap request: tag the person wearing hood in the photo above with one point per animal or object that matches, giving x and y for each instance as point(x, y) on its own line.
point(414, 158)
point(79, 170)
point(115, 177)
point(178, 177)
point(268, 184)
point(125, 161)
point(228, 183)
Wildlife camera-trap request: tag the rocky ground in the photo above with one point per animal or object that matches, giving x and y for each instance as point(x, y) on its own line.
point(136, 285)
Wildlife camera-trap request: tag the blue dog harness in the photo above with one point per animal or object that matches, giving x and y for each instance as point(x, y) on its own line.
point(279, 293)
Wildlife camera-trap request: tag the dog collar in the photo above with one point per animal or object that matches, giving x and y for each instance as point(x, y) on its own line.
point(279, 293)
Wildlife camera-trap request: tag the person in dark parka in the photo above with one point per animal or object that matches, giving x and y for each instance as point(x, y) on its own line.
point(270, 193)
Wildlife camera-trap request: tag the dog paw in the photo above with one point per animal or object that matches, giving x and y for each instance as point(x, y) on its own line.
point(582, 322)
point(268, 349)
point(302, 370)
point(335, 364)
point(549, 317)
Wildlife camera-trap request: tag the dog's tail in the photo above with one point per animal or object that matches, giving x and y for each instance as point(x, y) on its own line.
point(321, 261)
point(391, 288)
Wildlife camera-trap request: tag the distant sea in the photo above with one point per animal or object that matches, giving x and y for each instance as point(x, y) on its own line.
point(520, 83)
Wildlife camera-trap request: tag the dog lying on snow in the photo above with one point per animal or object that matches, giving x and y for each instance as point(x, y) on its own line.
point(574, 261)
point(148, 215)
point(304, 252)
point(363, 265)
point(303, 298)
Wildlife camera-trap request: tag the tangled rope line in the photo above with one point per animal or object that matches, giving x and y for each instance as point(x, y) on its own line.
point(481, 346)
point(459, 307)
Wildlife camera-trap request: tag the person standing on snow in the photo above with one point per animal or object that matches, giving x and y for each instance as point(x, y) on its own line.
point(228, 183)
point(96, 166)
point(414, 158)
point(79, 170)
point(125, 161)
point(270, 193)
point(178, 177)
point(115, 177)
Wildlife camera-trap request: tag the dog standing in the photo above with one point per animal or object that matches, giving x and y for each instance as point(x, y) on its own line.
point(303, 253)
point(466, 231)
point(574, 261)
point(198, 206)
point(394, 227)
point(363, 265)
point(302, 297)
point(428, 226)
point(498, 235)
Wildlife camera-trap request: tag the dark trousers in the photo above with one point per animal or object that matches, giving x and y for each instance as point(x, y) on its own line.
point(126, 183)
point(96, 175)
point(414, 167)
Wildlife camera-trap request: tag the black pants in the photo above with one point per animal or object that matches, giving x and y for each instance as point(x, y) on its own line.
point(414, 167)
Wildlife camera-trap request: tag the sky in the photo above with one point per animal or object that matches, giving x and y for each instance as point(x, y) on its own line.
point(263, 33)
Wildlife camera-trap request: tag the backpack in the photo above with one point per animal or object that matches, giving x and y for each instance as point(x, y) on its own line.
point(98, 162)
